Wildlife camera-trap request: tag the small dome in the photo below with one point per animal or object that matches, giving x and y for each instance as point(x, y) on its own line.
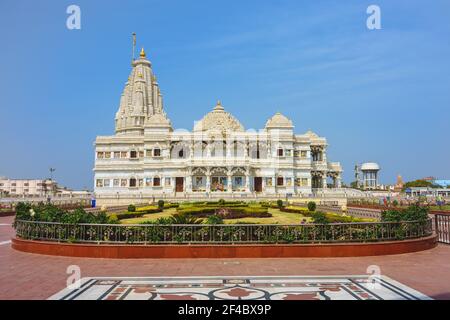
point(370, 166)
point(158, 120)
point(218, 120)
point(311, 134)
point(279, 121)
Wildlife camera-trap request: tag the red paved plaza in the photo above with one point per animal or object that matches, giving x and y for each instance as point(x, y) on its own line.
point(31, 276)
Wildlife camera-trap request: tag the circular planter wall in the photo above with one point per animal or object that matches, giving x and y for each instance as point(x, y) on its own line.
point(225, 250)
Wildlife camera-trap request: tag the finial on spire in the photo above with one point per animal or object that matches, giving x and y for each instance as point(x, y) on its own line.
point(142, 54)
point(218, 106)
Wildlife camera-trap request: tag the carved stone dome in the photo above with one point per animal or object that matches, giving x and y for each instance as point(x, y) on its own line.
point(218, 120)
point(279, 121)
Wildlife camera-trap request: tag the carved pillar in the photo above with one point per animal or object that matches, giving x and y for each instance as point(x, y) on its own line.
point(189, 182)
point(324, 181)
point(208, 182)
point(339, 181)
point(247, 182)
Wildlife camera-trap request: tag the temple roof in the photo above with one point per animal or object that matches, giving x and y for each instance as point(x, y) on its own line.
point(218, 120)
point(279, 121)
point(141, 98)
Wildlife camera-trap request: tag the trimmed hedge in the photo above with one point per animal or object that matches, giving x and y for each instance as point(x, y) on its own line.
point(226, 212)
point(331, 217)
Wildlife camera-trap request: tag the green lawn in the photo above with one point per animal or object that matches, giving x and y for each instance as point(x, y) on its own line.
point(278, 217)
point(444, 208)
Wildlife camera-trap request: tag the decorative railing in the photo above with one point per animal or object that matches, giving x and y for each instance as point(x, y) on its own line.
point(225, 234)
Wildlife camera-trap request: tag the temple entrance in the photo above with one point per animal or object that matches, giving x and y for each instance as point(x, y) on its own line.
point(179, 184)
point(258, 184)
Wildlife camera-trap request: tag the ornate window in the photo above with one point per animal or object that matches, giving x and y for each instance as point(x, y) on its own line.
point(304, 182)
point(157, 152)
point(100, 155)
point(116, 154)
point(106, 183)
point(156, 181)
point(123, 182)
point(280, 152)
point(167, 182)
point(132, 182)
point(123, 154)
point(303, 153)
point(141, 154)
point(116, 182)
point(133, 154)
point(99, 183)
point(280, 181)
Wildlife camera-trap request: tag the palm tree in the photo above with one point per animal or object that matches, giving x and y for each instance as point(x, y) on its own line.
point(181, 218)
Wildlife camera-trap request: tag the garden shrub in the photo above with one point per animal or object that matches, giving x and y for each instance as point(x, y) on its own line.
point(280, 203)
point(131, 208)
point(161, 204)
point(412, 213)
point(51, 213)
point(112, 219)
point(214, 220)
point(312, 206)
point(320, 217)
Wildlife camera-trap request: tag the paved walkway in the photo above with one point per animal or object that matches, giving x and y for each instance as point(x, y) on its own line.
point(30, 276)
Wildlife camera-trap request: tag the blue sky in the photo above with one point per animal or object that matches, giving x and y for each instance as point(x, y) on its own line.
point(380, 95)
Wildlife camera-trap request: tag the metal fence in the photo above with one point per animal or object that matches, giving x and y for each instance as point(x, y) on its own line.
point(231, 234)
point(442, 227)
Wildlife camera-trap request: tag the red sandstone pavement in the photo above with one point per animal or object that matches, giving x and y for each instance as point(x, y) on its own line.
point(31, 276)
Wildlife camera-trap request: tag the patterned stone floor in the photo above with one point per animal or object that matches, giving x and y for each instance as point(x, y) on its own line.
point(241, 288)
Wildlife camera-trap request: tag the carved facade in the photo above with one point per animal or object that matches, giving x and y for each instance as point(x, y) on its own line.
point(147, 158)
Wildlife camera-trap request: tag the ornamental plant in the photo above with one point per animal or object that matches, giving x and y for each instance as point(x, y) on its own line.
point(161, 204)
point(312, 206)
point(280, 203)
point(320, 217)
point(131, 208)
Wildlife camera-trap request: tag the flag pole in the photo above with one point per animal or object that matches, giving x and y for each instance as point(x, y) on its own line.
point(134, 44)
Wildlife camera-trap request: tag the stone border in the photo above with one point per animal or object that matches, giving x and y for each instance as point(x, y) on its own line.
point(225, 251)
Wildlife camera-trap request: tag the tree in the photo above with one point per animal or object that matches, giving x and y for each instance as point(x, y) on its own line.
point(420, 183)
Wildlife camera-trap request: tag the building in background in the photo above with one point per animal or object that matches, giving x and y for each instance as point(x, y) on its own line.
point(445, 183)
point(366, 175)
point(27, 187)
point(37, 188)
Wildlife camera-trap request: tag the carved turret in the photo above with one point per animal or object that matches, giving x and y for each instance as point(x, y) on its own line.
point(141, 98)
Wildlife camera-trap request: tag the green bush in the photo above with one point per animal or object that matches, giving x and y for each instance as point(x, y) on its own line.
point(112, 219)
point(221, 202)
point(214, 220)
point(395, 203)
point(51, 213)
point(280, 203)
point(161, 204)
point(312, 206)
point(412, 213)
point(178, 218)
point(320, 217)
point(131, 208)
